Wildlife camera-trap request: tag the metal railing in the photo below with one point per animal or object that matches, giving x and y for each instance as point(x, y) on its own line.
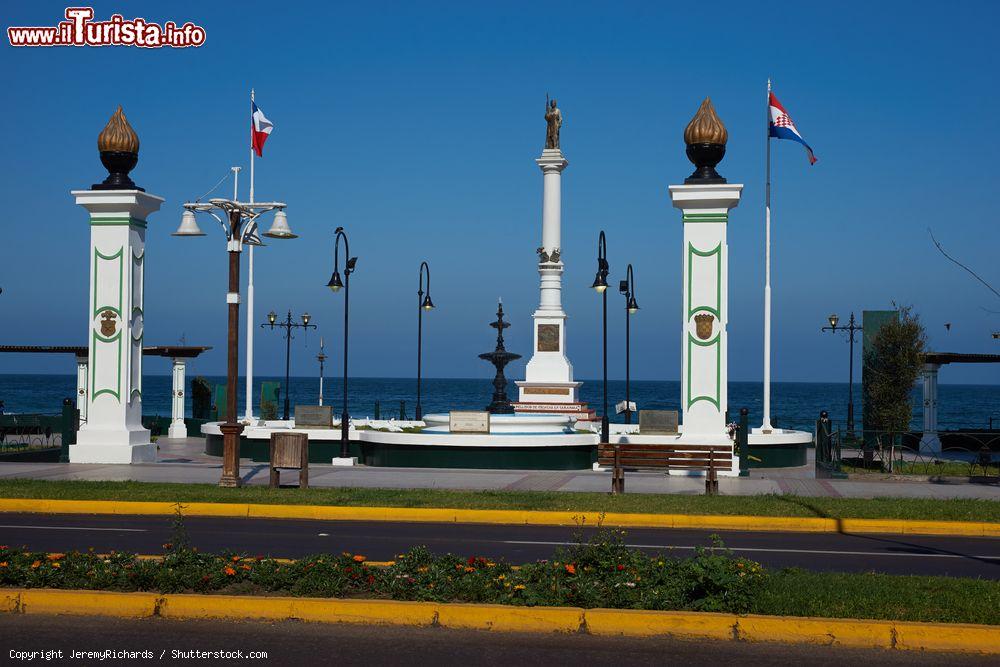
point(943, 454)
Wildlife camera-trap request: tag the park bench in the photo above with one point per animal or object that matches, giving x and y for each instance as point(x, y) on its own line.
point(636, 456)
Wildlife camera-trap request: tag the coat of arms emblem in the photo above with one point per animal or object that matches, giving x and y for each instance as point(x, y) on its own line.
point(109, 323)
point(703, 325)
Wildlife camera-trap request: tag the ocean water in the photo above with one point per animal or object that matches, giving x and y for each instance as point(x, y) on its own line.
point(793, 404)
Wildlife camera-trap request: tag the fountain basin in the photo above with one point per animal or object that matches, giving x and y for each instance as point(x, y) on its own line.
point(522, 424)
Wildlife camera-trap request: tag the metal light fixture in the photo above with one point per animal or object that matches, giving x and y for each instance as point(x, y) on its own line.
point(633, 307)
point(335, 282)
point(189, 226)
point(279, 228)
point(600, 281)
point(833, 319)
point(427, 304)
point(272, 317)
point(305, 318)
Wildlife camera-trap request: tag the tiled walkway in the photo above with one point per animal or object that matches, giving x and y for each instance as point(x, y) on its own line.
point(184, 461)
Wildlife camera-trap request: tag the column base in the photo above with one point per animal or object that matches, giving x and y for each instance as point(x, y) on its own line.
point(177, 430)
point(930, 443)
point(230, 482)
point(111, 453)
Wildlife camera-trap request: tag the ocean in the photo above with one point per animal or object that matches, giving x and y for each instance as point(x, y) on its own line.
point(793, 404)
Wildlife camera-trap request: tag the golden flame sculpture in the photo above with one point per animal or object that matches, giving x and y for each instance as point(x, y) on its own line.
point(118, 136)
point(705, 127)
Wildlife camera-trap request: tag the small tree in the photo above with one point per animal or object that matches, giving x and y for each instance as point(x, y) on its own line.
point(892, 364)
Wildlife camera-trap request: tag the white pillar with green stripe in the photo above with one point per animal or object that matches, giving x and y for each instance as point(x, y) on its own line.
point(113, 431)
point(705, 315)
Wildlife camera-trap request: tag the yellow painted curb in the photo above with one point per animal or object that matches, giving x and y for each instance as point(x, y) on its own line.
point(856, 633)
point(507, 517)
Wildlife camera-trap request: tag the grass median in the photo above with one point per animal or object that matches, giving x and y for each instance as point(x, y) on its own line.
point(759, 505)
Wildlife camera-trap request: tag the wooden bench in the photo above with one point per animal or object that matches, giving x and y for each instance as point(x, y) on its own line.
point(290, 450)
point(635, 456)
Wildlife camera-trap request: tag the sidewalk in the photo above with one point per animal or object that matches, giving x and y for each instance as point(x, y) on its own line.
point(183, 461)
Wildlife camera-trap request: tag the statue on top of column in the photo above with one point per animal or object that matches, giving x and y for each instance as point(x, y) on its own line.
point(553, 119)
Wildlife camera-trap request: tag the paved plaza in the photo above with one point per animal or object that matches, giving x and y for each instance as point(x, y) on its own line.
point(183, 460)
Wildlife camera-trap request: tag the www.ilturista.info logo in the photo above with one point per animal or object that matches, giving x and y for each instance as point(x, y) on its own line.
point(79, 29)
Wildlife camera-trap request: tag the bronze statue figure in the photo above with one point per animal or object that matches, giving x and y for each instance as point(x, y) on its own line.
point(553, 119)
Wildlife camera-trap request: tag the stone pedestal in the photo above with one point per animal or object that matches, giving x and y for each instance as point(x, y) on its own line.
point(705, 261)
point(178, 429)
point(548, 385)
point(113, 432)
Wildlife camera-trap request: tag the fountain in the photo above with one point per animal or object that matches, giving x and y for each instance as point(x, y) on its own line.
point(500, 357)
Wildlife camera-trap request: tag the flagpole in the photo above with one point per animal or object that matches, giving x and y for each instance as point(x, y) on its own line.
point(766, 425)
point(250, 320)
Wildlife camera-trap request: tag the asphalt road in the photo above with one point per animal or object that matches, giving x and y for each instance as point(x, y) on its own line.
point(893, 554)
point(294, 643)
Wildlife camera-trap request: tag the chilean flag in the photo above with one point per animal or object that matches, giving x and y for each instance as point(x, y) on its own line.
point(782, 127)
point(260, 128)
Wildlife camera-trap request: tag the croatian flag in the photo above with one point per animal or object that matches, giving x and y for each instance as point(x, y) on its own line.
point(260, 128)
point(782, 127)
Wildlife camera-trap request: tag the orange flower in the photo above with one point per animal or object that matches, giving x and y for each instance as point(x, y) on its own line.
point(359, 559)
point(56, 564)
point(245, 567)
point(56, 556)
point(470, 569)
point(571, 568)
point(236, 559)
point(229, 571)
point(3, 564)
point(36, 565)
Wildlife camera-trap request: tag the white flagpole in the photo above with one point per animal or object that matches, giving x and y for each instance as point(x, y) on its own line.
point(766, 425)
point(250, 320)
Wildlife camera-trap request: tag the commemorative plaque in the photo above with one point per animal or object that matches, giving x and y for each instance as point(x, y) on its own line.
point(548, 337)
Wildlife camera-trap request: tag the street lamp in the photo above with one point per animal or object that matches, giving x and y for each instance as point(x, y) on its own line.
point(851, 329)
point(601, 285)
point(288, 325)
point(321, 358)
point(335, 285)
point(423, 303)
point(239, 223)
point(627, 288)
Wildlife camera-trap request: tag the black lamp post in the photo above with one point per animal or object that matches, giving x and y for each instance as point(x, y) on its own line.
point(601, 285)
point(335, 284)
point(288, 325)
point(423, 303)
point(627, 288)
point(851, 329)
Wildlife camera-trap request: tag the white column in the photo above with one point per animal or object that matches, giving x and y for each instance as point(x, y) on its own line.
point(113, 432)
point(177, 427)
point(81, 387)
point(250, 327)
point(704, 336)
point(930, 443)
point(549, 374)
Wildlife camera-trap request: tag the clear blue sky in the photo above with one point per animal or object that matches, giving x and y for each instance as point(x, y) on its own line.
point(415, 126)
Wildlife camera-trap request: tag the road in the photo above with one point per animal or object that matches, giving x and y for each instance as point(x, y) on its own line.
point(295, 643)
point(892, 554)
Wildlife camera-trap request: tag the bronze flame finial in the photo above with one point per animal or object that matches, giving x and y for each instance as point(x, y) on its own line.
point(118, 135)
point(119, 147)
point(706, 139)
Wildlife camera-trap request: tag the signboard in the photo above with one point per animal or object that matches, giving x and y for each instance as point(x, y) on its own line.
point(460, 421)
point(313, 416)
point(657, 422)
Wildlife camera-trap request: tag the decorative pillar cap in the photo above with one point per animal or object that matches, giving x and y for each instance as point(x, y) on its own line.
point(118, 145)
point(705, 137)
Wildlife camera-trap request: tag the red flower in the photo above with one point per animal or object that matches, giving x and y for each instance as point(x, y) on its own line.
point(571, 568)
point(620, 567)
point(229, 571)
point(472, 560)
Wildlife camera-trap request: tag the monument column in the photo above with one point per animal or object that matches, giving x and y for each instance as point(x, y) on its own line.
point(177, 427)
point(930, 442)
point(118, 210)
point(705, 200)
point(548, 385)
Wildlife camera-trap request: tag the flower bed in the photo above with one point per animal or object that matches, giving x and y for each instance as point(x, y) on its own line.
point(599, 573)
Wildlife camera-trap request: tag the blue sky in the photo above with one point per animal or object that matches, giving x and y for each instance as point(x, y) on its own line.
point(415, 126)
